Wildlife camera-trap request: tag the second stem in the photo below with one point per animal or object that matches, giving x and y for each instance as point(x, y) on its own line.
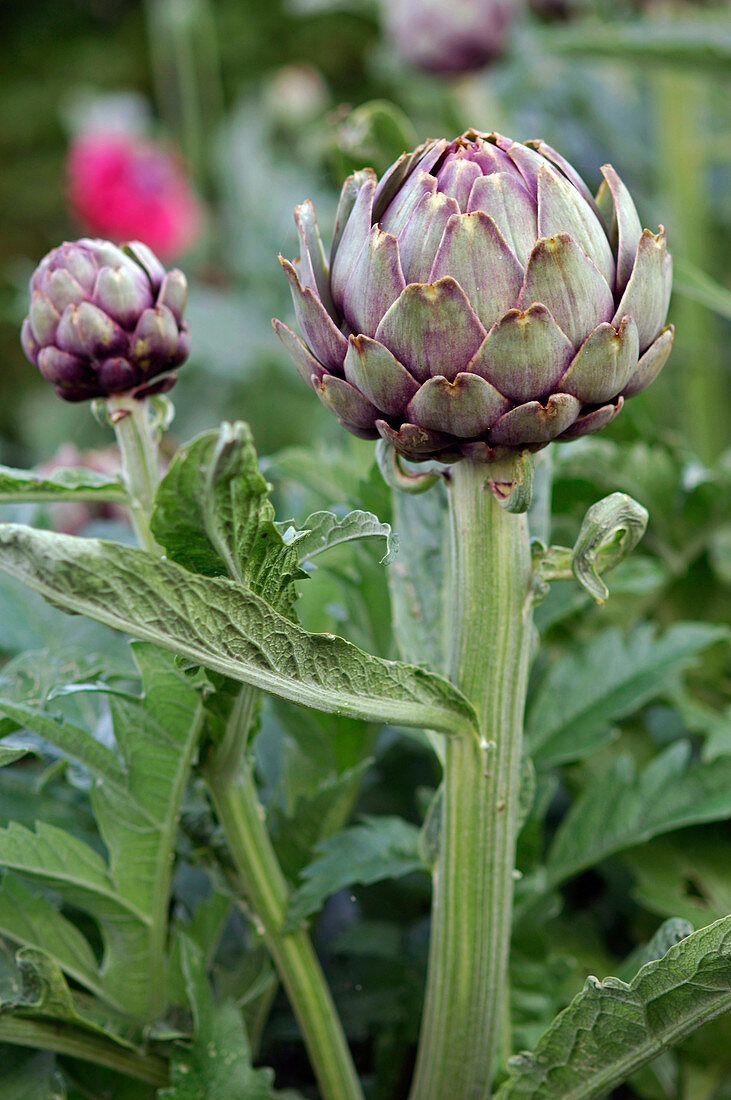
point(235, 798)
point(490, 612)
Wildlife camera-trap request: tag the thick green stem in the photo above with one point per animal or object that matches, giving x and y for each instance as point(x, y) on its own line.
point(242, 818)
point(473, 881)
point(140, 465)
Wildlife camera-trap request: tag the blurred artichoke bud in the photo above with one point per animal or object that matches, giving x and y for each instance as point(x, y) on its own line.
point(295, 95)
point(479, 301)
point(105, 320)
point(448, 36)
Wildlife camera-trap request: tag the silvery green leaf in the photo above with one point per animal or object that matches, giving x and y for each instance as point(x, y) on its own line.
point(323, 530)
point(62, 484)
point(611, 1029)
point(28, 919)
point(72, 740)
point(136, 798)
point(228, 628)
point(611, 529)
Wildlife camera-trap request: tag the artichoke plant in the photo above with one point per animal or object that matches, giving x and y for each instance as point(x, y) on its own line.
point(479, 301)
point(105, 320)
point(448, 36)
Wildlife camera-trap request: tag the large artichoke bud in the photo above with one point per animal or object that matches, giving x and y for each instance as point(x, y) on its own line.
point(479, 301)
point(448, 36)
point(105, 320)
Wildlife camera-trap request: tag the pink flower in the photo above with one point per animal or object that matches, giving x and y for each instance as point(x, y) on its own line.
point(123, 187)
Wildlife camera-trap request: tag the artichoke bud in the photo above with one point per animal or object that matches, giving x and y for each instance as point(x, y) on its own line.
point(448, 36)
point(479, 301)
point(105, 320)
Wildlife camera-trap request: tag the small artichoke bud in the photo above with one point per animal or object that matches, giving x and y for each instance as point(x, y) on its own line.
point(448, 36)
point(479, 301)
point(106, 320)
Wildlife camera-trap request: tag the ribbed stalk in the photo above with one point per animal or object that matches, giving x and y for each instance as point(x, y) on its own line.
point(242, 818)
point(473, 881)
point(130, 419)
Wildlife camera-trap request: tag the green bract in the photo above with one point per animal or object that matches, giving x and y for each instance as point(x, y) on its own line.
point(479, 301)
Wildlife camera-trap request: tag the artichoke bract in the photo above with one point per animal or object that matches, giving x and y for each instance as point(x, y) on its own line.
point(106, 320)
point(479, 301)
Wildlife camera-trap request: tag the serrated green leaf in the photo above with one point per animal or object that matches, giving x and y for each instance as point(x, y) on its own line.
point(136, 803)
point(158, 737)
point(611, 1029)
point(594, 685)
point(226, 627)
point(30, 920)
point(377, 849)
point(58, 859)
point(213, 515)
point(623, 807)
point(315, 816)
point(323, 530)
point(62, 484)
point(69, 738)
point(416, 578)
point(216, 1064)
